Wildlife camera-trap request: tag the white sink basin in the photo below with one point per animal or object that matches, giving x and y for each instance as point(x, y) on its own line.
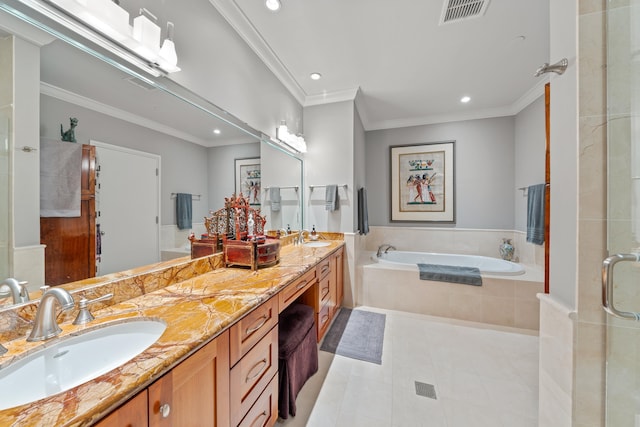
point(317, 244)
point(74, 360)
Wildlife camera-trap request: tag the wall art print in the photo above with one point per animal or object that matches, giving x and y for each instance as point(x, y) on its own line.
point(422, 182)
point(248, 179)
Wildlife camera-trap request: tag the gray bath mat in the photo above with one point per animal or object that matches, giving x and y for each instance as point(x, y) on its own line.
point(356, 334)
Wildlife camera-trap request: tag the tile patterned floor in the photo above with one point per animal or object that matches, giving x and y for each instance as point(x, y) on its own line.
point(482, 377)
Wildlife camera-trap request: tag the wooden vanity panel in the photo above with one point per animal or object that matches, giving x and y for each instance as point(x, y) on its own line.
point(131, 414)
point(265, 411)
point(323, 320)
point(295, 289)
point(252, 374)
point(245, 333)
point(323, 268)
point(339, 264)
point(196, 389)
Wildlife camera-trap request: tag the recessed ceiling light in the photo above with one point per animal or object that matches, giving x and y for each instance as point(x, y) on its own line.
point(465, 99)
point(316, 76)
point(216, 131)
point(272, 5)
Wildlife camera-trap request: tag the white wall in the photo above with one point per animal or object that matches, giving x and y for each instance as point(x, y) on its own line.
point(221, 171)
point(184, 165)
point(484, 167)
point(280, 169)
point(329, 132)
point(26, 166)
point(564, 155)
point(529, 156)
point(219, 66)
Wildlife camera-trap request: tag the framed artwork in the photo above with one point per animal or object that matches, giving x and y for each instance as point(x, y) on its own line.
point(248, 179)
point(422, 182)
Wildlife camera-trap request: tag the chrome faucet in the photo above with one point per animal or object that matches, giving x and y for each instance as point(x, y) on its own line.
point(386, 248)
point(301, 236)
point(18, 290)
point(46, 326)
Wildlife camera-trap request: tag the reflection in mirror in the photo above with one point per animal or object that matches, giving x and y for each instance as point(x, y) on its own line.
point(283, 188)
point(120, 109)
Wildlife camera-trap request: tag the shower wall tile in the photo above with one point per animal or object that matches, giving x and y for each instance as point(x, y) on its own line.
point(556, 385)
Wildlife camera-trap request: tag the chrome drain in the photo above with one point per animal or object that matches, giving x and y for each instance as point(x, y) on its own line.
point(425, 390)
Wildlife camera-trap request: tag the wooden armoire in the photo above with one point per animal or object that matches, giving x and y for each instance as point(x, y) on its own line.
point(70, 252)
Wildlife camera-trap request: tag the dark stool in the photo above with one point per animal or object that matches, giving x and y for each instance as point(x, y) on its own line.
point(297, 354)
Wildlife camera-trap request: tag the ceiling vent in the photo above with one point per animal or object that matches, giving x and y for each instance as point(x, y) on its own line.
point(461, 10)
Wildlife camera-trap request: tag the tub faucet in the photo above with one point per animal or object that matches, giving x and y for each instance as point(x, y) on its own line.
point(18, 290)
point(386, 248)
point(46, 326)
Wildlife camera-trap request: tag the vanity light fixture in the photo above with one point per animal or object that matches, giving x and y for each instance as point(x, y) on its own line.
point(273, 5)
point(107, 25)
point(315, 76)
point(295, 142)
point(168, 49)
point(465, 99)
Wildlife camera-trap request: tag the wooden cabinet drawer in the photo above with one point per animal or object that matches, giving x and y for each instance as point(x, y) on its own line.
point(251, 328)
point(323, 268)
point(250, 376)
point(324, 290)
point(295, 289)
point(323, 319)
point(264, 412)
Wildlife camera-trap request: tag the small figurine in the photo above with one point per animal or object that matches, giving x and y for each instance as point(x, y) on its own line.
point(70, 134)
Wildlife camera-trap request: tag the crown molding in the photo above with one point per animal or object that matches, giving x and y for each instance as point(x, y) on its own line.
point(82, 101)
point(232, 13)
point(331, 97)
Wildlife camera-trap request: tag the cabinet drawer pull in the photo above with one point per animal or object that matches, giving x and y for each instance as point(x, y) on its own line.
point(261, 364)
point(324, 293)
point(263, 414)
point(324, 268)
point(324, 319)
point(301, 285)
point(165, 410)
point(262, 321)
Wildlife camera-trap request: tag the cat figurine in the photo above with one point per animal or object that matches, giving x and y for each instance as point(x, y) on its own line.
point(70, 134)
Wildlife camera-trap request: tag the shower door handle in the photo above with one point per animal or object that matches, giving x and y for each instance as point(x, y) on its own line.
point(607, 285)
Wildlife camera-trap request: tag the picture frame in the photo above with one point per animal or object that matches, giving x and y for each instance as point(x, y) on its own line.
point(248, 179)
point(423, 182)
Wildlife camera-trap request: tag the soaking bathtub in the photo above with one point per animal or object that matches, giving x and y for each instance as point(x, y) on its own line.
point(486, 265)
point(507, 296)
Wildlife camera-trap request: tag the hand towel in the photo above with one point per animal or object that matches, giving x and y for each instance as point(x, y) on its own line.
point(274, 196)
point(363, 214)
point(535, 214)
point(60, 175)
point(183, 210)
point(331, 198)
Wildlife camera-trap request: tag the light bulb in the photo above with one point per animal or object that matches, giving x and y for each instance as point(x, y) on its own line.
point(272, 5)
point(168, 49)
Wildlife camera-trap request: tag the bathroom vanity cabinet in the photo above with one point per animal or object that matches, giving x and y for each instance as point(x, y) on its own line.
point(232, 380)
point(192, 393)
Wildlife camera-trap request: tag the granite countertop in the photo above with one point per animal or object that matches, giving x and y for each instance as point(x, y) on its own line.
point(195, 311)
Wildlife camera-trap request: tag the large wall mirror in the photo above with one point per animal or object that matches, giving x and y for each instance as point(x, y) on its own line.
point(194, 142)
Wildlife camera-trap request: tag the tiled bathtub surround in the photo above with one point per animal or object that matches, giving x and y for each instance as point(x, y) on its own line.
point(506, 301)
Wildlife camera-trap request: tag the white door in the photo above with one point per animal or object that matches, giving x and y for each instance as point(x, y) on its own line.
point(128, 207)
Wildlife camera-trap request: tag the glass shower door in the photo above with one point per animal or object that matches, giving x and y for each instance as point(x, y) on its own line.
point(622, 295)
